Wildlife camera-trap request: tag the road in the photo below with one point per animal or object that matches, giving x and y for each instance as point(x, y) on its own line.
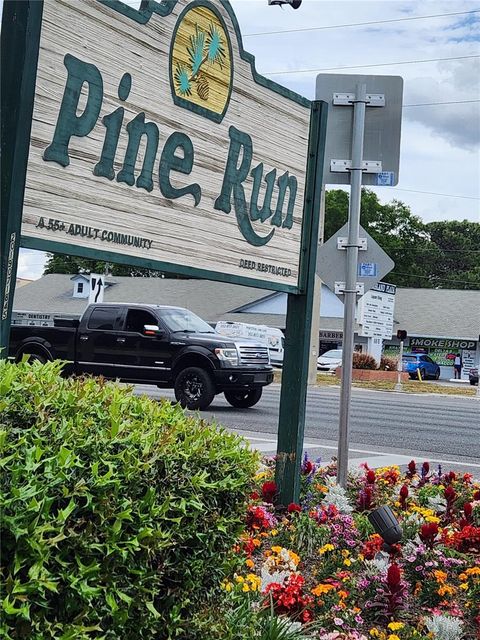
point(385, 426)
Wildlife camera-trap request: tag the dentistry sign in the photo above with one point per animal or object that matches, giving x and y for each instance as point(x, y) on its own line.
point(155, 142)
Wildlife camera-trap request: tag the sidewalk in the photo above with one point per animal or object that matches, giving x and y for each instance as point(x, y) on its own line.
point(266, 443)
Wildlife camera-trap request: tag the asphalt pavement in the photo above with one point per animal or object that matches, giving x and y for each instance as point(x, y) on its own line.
point(386, 427)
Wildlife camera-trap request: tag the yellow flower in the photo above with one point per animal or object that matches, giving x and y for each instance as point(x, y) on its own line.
point(250, 563)
point(277, 549)
point(347, 562)
point(393, 636)
point(239, 579)
point(395, 626)
point(254, 581)
point(432, 519)
point(464, 586)
point(325, 548)
point(228, 586)
point(375, 633)
point(245, 587)
point(274, 532)
point(293, 556)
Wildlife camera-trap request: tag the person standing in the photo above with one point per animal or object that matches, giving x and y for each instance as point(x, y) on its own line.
point(457, 366)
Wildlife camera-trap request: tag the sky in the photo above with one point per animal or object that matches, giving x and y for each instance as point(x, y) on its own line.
point(439, 174)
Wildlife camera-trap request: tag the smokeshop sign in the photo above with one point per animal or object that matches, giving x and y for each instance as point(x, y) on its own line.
point(153, 124)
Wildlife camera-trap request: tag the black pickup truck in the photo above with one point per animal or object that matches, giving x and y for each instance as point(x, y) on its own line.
point(169, 347)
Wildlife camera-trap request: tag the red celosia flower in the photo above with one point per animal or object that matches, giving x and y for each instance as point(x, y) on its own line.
point(450, 477)
point(425, 468)
point(412, 467)
point(370, 476)
point(467, 478)
point(403, 496)
point(476, 495)
point(292, 507)
point(254, 495)
point(467, 509)
point(394, 575)
point(365, 501)
point(269, 490)
point(450, 494)
point(428, 533)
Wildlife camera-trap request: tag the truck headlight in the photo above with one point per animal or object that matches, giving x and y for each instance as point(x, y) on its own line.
point(228, 356)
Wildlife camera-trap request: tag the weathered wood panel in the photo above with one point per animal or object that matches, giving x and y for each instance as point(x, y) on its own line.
point(171, 230)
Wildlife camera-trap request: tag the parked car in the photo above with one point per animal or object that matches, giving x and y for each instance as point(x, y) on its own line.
point(419, 362)
point(330, 360)
point(473, 376)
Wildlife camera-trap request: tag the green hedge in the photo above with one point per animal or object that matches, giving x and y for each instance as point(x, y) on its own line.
point(117, 512)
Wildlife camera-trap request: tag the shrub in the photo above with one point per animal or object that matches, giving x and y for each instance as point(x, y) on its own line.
point(388, 364)
point(363, 361)
point(117, 511)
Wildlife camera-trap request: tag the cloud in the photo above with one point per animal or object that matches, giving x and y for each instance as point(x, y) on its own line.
point(455, 81)
point(31, 264)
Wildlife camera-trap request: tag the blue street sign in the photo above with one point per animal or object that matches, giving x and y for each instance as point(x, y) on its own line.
point(385, 179)
point(367, 269)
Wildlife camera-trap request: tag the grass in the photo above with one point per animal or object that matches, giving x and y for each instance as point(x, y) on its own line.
point(407, 387)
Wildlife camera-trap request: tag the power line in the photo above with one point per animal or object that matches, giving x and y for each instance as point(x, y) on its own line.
point(365, 66)
point(432, 279)
point(432, 104)
point(358, 24)
point(434, 193)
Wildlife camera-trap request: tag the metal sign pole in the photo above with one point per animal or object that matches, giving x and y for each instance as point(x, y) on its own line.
point(350, 292)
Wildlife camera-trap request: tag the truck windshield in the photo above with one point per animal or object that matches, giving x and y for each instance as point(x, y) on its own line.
point(184, 320)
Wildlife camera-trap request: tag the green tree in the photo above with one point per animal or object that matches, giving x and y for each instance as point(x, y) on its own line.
point(456, 248)
point(62, 263)
point(402, 235)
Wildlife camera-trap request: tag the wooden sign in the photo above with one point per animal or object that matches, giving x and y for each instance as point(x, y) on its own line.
point(155, 142)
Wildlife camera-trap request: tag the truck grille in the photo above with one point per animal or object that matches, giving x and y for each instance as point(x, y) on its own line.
point(250, 354)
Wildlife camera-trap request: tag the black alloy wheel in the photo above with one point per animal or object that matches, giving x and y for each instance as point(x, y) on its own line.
point(243, 399)
point(194, 388)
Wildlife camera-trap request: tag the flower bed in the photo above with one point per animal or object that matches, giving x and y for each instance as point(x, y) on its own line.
point(320, 566)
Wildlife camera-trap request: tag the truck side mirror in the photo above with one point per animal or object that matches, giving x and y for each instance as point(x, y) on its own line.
point(153, 330)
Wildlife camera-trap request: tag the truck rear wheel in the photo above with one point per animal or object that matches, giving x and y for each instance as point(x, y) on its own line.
point(194, 388)
point(243, 399)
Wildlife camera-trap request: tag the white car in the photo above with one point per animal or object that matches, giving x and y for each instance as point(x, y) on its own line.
point(330, 360)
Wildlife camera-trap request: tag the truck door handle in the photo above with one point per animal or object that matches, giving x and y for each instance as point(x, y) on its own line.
point(122, 340)
point(84, 338)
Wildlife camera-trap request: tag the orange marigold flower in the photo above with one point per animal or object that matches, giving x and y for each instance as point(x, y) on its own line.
point(320, 589)
point(440, 576)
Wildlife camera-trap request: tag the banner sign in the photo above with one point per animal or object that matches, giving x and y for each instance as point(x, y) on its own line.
point(155, 142)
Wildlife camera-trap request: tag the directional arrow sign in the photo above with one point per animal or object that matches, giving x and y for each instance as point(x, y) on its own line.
point(373, 263)
point(97, 286)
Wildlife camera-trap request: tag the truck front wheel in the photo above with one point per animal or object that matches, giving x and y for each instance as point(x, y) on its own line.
point(194, 388)
point(243, 399)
